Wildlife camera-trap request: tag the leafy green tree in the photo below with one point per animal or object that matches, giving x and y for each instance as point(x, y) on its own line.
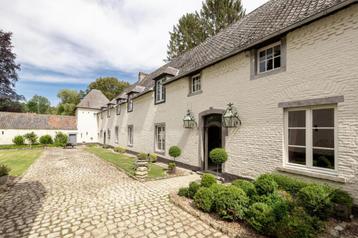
point(68, 101)
point(194, 28)
point(8, 105)
point(39, 105)
point(31, 137)
point(109, 86)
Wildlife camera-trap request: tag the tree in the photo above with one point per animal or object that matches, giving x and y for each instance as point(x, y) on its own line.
point(195, 28)
point(39, 105)
point(8, 68)
point(68, 101)
point(109, 86)
point(8, 105)
point(31, 137)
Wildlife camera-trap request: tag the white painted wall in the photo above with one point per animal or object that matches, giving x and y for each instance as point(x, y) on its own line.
point(6, 135)
point(87, 126)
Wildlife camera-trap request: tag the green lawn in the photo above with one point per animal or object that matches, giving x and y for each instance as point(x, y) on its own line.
point(19, 160)
point(124, 162)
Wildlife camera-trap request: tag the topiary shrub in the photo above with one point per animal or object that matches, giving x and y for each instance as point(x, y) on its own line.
point(231, 203)
point(31, 138)
point(216, 188)
point(61, 139)
point(288, 184)
point(204, 199)
point(183, 192)
point(153, 158)
point(18, 140)
point(142, 156)
point(265, 185)
point(46, 140)
point(193, 188)
point(218, 156)
point(4, 170)
point(247, 186)
point(342, 198)
point(207, 180)
point(120, 149)
point(171, 167)
point(261, 217)
point(316, 200)
point(174, 152)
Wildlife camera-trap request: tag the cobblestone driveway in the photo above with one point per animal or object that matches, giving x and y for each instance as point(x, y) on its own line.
point(70, 193)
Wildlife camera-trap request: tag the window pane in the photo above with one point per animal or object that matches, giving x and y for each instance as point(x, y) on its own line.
point(269, 53)
point(323, 117)
point(277, 50)
point(297, 119)
point(323, 138)
point(297, 155)
point(323, 158)
point(262, 55)
point(270, 64)
point(277, 62)
point(263, 66)
point(297, 137)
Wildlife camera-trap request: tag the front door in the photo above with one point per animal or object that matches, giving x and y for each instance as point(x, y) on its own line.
point(213, 139)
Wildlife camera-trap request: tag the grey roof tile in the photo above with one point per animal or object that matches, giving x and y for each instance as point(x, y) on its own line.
point(94, 99)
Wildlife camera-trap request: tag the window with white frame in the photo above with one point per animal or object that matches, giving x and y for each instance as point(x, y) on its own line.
point(159, 90)
point(101, 114)
point(118, 109)
point(109, 134)
point(130, 103)
point(195, 84)
point(116, 132)
point(269, 58)
point(130, 135)
point(311, 137)
point(160, 138)
point(108, 111)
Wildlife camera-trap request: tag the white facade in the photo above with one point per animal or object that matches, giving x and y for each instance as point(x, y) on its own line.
point(87, 127)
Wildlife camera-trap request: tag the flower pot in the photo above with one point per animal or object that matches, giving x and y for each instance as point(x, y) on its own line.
point(3, 179)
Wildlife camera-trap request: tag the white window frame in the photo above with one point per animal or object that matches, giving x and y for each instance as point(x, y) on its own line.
point(130, 103)
point(195, 87)
point(309, 140)
point(160, 138)
point(108, 111)
point(108, 134)
point(116, 134)
point(159, 90)
point(118, 109)
point(130, 135)
point(273, 57)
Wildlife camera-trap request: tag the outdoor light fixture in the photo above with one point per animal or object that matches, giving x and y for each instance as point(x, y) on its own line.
point(189, 120)
point(231, 117)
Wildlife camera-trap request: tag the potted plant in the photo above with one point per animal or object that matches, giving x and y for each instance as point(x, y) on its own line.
point(218, 156)
point(174, 152)
point(4, 174)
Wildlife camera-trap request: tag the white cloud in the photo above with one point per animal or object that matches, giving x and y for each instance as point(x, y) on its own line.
point(77, 36)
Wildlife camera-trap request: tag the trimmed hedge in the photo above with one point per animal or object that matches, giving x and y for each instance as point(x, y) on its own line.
point(342, 198)
point(204, 199)
point(288, 184)
point(18, 140)
point(261, 217)
point(247, 186)
point(207, 180)
point(265, 185)
point(193, 188)
point(61, 139)
point(216, 188)
point(46, 140)
point(183, 192)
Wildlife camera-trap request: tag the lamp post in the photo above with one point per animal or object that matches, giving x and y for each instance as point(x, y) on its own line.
point(230, 117)
point(189, 120)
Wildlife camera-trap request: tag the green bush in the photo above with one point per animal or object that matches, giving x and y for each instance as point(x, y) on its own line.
point(247, 186)
point(261, 217)
point(218, 156)
point(316, 200)
point(174, 152)
point(46, 140)
point(342, 198)
point(265, 185)
point(193, 188)
point(120, 149)
point(207, 180)
point(153, 158)
point(60, 139)
point(18, 140)
point(216, 188)
point(204, 199)
point(142, 156)
point(297, 225)
point(288, 184)
point(231, 203)
point(4, 170)
point(183, 192)
point(171, 167)
point(31, 137)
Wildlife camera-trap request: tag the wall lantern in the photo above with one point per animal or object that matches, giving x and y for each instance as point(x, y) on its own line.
point(189, 120)
point(231, 117)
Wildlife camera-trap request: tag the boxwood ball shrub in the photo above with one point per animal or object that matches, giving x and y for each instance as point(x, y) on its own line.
point(342, 198)
point(193, 188)
point(247, 186)
point(174, 152)
point(288, 184)
point(265, 185)
point(204, 199)
point(4, 170)
point(183, 192)
point(61, 139)
point(171, 167)
point(46, 140)
point(207, 180)
point(316, 199)
point(218, 156)
point(153, 158)
point(18, 140)
point(261, 217)
point(142, 156)
point(231, 203)
point(216, 188)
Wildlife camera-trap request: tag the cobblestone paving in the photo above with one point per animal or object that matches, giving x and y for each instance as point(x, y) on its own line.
point(69, 193)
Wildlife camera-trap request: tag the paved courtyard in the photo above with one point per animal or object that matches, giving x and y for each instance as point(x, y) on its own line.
point(68, 193)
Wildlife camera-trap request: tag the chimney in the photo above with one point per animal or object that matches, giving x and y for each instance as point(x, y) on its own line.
point(141, 76)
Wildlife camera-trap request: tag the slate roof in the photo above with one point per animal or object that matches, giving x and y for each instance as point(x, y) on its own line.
point(94, 99)
point(272, 19)
point(32, 121)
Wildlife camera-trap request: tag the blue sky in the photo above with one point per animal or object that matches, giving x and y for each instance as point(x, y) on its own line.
point(69, 43)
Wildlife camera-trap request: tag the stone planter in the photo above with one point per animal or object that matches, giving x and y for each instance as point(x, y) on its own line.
point(3, 179)
point(142, 169)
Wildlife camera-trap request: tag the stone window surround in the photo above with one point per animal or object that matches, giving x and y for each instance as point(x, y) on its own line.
point(130, 138)
point(163, 79)
point(130, 103)
point(155, 138)
point(254, 60)
point(191, 93)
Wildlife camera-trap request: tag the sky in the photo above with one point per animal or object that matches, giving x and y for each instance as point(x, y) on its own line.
point(70, 43)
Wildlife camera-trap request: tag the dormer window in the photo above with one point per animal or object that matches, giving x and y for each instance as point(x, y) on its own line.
point(269, 58)
point(159, 91)
point(109, 111)
point(118, 108)
point(130, 103)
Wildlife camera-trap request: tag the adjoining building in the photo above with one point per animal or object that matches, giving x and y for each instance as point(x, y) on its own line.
point(290, 70)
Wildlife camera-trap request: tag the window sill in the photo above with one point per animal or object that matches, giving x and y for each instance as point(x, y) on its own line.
point(130, 145)
point(195, 93)
point(313, 173)
point(159, 152)
point(159, 102)
point(265, 74)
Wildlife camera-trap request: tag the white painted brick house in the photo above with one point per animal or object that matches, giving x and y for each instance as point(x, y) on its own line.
point(291, 70)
